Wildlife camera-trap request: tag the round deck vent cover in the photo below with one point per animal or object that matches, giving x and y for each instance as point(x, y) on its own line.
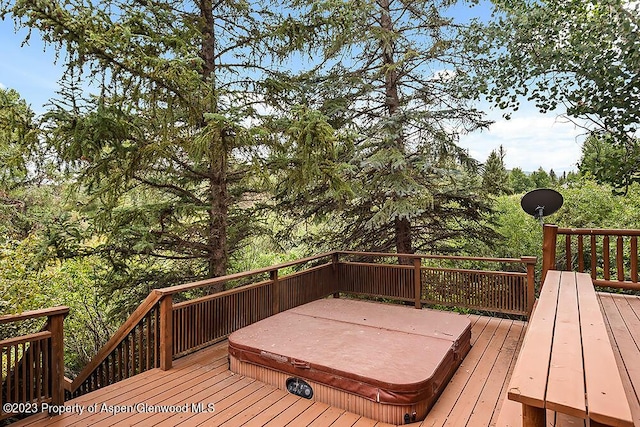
point(541, 202)
point(299, 387)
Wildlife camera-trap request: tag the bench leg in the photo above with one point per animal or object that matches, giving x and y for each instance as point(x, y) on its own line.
point(533, 417)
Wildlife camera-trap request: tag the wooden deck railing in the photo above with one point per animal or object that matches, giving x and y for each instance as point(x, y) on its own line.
point(134, 348)
point(610, 256)
point(160, 330)
point(32, 366)
point(172, 322)
point(495, 290)
point(228, 311)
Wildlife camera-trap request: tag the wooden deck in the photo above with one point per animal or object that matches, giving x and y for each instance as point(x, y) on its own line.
point(473, 398)
point(622, 315)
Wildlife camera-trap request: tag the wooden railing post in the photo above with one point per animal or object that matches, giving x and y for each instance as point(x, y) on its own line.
point(275, 284)
point(33, 363)
point(530, 262)
point(166, 332)
point(56, 327)
point(334, 264)
point(417, 263)
point(550, 234)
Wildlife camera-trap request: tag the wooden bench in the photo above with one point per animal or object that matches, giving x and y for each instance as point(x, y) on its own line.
point(566, 365)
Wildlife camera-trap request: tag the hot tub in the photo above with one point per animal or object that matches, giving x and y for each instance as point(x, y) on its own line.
point(381, 361)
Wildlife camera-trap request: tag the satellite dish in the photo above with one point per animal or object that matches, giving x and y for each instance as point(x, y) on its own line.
point(541, 202)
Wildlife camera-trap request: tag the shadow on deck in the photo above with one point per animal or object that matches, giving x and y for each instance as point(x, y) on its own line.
point(474, 397)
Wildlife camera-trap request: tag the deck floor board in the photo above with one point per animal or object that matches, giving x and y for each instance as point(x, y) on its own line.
point(473, 398)
point(486, 407)
point(469, 399)
point(327, 418)
point(473, 389)
point(310, 414)
point(623, 324)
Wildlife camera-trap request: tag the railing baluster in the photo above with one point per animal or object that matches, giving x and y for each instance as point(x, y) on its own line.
point(416, 282)
point(30, 373)
point(567, 249)
point(148, 340)
point(605, 254)
point(580, 254)
point(141, 352)
point(38, 373)
point(120, 361)
point(23, 372)
point(620, 258)
point(11, 379)
point(46, 365)
point(127, 352)
point(110, 362)
point(594, 265)
point(634, 259)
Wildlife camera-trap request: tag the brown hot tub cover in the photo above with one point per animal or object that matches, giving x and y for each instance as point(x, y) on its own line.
point(389, 354)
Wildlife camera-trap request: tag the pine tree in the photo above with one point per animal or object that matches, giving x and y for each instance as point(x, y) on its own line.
point(386, 87)
point(161, 145)
point(519, 181)
point(18, 142)
point(495, 178)
point(540, 178)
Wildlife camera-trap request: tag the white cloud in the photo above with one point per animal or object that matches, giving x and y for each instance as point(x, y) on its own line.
point(530, 140)
point(3, 87)
point(443, 75)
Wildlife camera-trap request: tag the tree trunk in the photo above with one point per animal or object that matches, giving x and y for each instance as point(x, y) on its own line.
point(208, 41)
point(218, 193)
point(218, 198)
point(403, 239)
point(392, 101)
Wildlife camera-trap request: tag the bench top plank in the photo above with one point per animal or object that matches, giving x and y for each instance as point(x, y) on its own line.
point(606, 397)
point(565, 387)
point(529, 380)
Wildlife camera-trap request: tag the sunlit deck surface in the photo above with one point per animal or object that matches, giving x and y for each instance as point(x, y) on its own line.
point(474, 397)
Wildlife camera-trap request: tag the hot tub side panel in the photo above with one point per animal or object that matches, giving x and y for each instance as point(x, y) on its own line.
point(382, 412)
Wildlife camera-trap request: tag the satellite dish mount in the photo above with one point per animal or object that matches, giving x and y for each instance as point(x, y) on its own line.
point(541, 202)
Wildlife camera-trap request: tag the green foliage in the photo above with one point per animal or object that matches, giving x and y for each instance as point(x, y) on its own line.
point(495, 179)
point(587, 204)
point(610, 163)
point(24, 158)
point(583, 55)
point(393, 178)
point(520, 181)
point(162, 149)
point(541, 179)
point(16, 137)
point(307, 162)
point(31, 278)
point(70, 283)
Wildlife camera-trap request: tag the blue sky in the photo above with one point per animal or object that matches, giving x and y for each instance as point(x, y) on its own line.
point(530, 139)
